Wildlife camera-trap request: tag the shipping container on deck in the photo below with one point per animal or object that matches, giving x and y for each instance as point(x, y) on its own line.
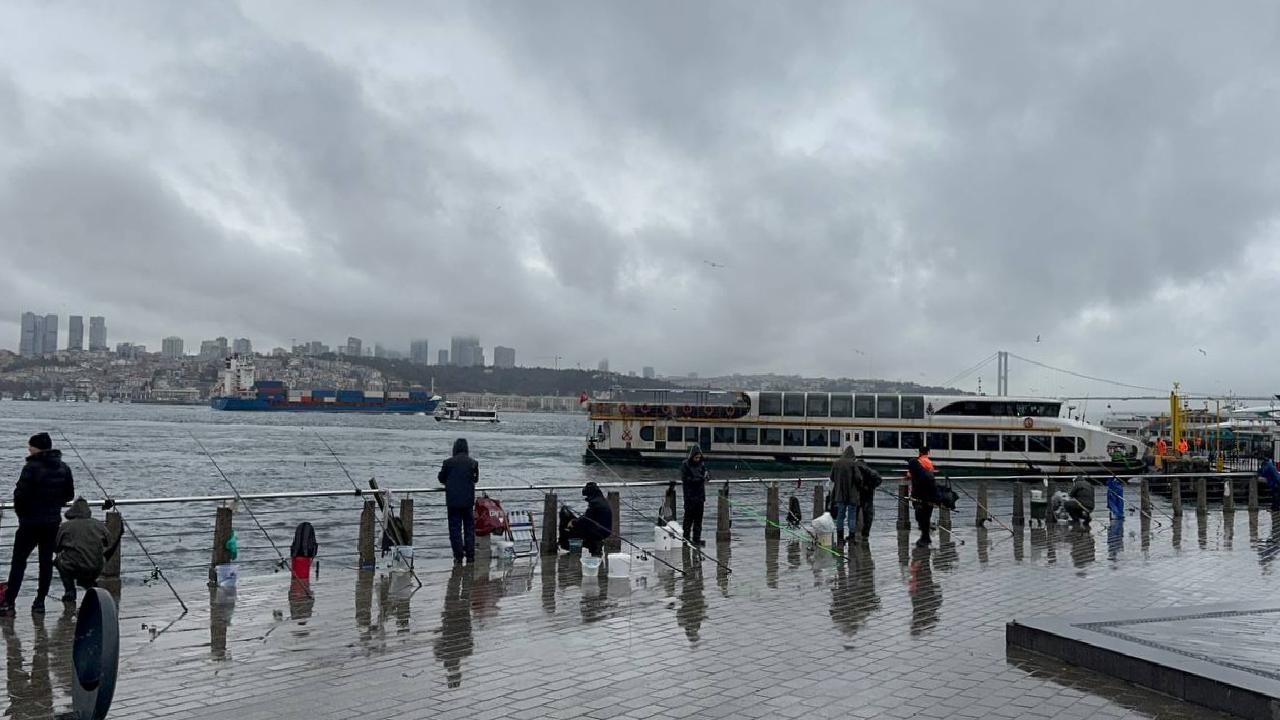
point(350, 396)
point(324, 393)
point(331, 399)
point(398, 395)
point(372, 394)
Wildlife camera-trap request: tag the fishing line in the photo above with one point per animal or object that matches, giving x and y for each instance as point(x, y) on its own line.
point(155, 568)
point(609, 533)
point(240, 499)
point(990, 515)
point(807, 537)
point(650, 518)
point(916, 501)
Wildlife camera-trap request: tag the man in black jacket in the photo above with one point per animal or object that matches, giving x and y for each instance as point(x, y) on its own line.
point(43, 488)
point(593, 526)
point(693, 480)
point(924, 494)
point(459, 475)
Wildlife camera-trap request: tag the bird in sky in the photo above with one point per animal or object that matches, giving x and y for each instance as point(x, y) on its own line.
point(1037, 338)
point(712, 264)
point(1202, 352)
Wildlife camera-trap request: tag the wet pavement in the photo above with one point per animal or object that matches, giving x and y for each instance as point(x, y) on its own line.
point(893, 631)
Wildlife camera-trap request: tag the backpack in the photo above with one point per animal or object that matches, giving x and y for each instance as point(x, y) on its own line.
point(490, 517)
point(794, 516)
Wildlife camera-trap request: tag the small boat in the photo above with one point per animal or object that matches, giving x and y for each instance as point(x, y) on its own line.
point(453, 412)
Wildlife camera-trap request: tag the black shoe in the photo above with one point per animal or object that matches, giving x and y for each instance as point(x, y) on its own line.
point(38, 606)
point(457, 561)
point(700, 543)
point(924, 542)
point(6, 608)
point(69, 598)
point(471, 560)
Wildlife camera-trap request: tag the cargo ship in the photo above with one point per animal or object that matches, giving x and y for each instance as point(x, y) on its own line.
point(239, 390)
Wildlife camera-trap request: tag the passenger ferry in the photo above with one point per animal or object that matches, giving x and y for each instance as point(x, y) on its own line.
point(772, 430)
point(452, 411)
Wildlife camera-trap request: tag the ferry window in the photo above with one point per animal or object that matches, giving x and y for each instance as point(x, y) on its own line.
point(864, 406)
point(793, 404)
point(868, 439)
point(748, 436)
point(1080, 445)
point(722, 435)
point(1014, 443)
point(887, 406)
point(988, 442)
point(912, 407)
point(675, 433)
point(938, 441)
point(770, 403)
point(912, 440)
point(962, 441)
point(1038, 443)
point(835, 438)
point(793, 437)
point(1062, 445)
point(771, 436)
point(887, 438)
point(690, 433)
point(816, 438)
point(816, 405)
point(646, 433)
point(841, 405)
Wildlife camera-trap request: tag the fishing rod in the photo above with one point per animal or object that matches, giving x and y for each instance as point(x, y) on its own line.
point(240, 499)
point(108, 503)
point(609, 531)
point(650, 518)
point(917, 501)
point(811, 536)
point(990, 515)
point(383, 523)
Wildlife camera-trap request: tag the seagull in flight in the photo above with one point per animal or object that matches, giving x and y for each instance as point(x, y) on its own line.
point(712, 264)
point(1202, 352)
point(1037, 338)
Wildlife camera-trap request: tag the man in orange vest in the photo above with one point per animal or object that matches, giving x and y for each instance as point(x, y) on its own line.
point(1182, 446)
point(1162, 447)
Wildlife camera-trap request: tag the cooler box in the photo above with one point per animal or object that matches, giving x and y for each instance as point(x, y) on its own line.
point(1039, 504)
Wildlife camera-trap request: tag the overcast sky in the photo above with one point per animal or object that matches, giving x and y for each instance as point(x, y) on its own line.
point(817, 188)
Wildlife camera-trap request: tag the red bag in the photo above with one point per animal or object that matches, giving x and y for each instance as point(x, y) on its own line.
point(490, 517)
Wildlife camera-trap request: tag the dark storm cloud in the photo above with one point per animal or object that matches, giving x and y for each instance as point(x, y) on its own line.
point(713, 187)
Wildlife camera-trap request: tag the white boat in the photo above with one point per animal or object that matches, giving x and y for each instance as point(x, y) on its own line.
point(453, 412)
point(754, 430)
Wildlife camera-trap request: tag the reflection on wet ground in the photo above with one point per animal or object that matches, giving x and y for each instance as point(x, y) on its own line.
point(769, 628)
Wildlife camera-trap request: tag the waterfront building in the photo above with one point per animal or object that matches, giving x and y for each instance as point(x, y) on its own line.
point(419, 352)
point(353, 348)
point(171, 347)
point(75, 333)
point(443, 357)
point(504, 357)
point(97, 333)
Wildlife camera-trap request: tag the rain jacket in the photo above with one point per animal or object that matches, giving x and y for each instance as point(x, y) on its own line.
point(43, 488)
point(1082, 492)
point(844, 476)
point(693, 478)
point(866, 479)
point(924, 488)
point(83, 544)
point(1269, 473)
point(459, 475)
point(597, 521)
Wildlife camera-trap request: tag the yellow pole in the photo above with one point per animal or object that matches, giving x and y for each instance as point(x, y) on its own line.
point(1175, 418)
point(1217, 433)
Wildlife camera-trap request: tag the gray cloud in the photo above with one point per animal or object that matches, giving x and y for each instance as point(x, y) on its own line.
point(924, 185)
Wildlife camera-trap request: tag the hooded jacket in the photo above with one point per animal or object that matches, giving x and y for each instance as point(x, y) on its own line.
point(1082, 492)
point(693, 477)
point(83, 544)
point(597, 521)
point(844, 475)
point(459, 475)
point(924, 488)
point(43, 488)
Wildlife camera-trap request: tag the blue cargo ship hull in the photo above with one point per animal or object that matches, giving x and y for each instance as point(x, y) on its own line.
point(397, 406)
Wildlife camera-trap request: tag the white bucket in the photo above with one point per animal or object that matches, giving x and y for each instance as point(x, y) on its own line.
point(824, 539)
point(400, 559)
point(619, 565)
point(590, 564)
point(227, 574)
point(663, 539)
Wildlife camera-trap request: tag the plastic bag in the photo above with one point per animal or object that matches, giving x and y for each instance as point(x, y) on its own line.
point(824, 524)
point(233, 546)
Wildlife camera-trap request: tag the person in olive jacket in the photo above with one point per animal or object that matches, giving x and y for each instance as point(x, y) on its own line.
point(44, 486)
point(459, 475)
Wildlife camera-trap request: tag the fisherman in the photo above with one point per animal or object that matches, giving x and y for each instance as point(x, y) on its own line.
point(1183, 448)
point(693, 479)
point(923, 455)
point(1269, 473)
point(84, 545)
point(1080, 506)
point(1162, 447)
point(44, 486)
point(844, 493)
point(459, 475)
point(924, 493)
point(866, 480)
point(593, 526)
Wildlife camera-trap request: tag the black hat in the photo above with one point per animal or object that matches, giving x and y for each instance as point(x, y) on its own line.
point(591, 490)
point(41, 441)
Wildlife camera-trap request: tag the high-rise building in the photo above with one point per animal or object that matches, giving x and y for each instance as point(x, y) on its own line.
point(354, 347)
point(171, 347)
point(75, 333)
point(465, 351)
point(98, 333)
point(315, 347)
point(419, 352)
point(213, 349)
point(442, 357)
point(603, 365)
point(242, 346)
point(379, 351)
point(50, 335)
point(30, 337)
point(647, 372)
point(504, 357)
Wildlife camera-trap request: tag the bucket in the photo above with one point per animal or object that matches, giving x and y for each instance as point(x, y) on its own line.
point(662, 538)
point(227, 574)
point(575, 546)
point(590, 565)
point(400, 559)
point(301, 567)
point(619, 565)
point(824, 539)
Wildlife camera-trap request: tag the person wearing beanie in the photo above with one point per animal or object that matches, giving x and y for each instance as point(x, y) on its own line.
point(592, 526)
point(44, 486)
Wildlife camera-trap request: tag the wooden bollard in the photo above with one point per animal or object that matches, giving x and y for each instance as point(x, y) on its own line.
point(1202, 495)
point(771, 529)
point(819, 501)
point(614, 543)
point(944, 520)
point(1019, 512)
point(365, 541)
point(406, 519)
point(671, 498)
point(1228, 497)
point(550, 524)
point(980, 511)
point(1175, 496)
point(1144, 498)
point(904, 507)
point(1253, 494)
point(723, 520)
point(115, 531)
point(222, 529)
